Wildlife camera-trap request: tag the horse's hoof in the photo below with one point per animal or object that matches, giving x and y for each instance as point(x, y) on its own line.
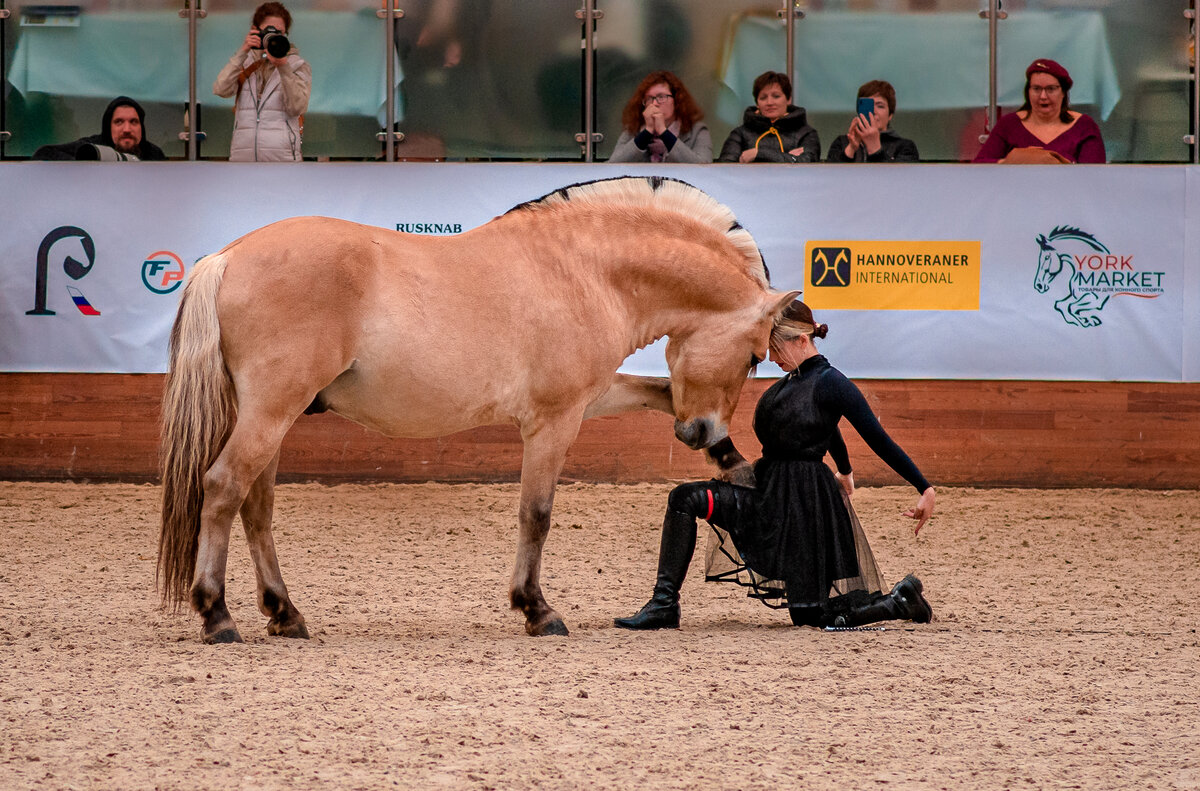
point(551, 628)
point(224, 636)
point(291, 629)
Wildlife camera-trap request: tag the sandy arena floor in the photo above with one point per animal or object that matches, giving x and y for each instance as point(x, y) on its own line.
point(1064, 654)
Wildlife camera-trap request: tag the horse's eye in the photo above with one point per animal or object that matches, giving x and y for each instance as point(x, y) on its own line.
point(755, 360)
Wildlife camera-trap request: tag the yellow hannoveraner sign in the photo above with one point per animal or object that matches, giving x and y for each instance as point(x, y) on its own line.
point(890, 275)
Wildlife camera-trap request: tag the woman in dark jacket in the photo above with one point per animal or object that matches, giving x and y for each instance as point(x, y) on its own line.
point(794, 538)
point(774, 130)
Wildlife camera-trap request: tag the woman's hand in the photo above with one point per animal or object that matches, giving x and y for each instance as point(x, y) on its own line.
point(868, 133)
point(854, 139)
point(652, 115)
point(253, 41)
point(922, 511)
point(846, 482)
point(749, 155)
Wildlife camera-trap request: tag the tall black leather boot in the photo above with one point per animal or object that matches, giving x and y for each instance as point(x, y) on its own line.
point(904, 603)
point(674, 555)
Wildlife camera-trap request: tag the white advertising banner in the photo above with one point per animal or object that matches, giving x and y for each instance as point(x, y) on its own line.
point(921, 271)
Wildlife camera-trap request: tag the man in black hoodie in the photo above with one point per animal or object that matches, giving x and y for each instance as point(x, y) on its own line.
point(122, 131)
point(871, 138)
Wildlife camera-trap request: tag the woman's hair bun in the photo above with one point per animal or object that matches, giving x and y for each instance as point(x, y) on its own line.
point(820, 330)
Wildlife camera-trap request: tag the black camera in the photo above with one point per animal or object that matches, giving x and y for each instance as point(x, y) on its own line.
point(275, 42)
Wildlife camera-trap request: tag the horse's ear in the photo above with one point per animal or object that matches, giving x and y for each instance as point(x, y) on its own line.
point(781, 301)
point(1041, 240)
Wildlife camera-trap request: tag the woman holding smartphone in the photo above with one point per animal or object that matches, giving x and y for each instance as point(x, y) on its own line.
point(870, 137)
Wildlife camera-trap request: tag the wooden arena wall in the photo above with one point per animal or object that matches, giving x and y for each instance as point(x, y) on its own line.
point(104, 427)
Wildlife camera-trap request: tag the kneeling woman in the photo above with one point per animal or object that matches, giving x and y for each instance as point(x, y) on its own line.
point(794, 538)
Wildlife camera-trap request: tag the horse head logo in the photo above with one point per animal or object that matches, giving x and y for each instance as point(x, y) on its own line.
point(1080, 304)
point(73, 268)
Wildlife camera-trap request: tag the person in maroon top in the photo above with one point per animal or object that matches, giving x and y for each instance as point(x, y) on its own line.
point(1045, 123)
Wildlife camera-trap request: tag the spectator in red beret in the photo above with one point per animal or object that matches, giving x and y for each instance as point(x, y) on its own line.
point(1045, 129)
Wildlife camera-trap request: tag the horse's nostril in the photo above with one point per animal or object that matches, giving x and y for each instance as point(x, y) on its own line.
point(693, 433)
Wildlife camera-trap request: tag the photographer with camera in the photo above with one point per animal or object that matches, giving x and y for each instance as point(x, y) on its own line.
point(271, 83)
point(121, 139)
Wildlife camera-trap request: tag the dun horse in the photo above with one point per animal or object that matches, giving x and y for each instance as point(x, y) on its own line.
point(523, 320)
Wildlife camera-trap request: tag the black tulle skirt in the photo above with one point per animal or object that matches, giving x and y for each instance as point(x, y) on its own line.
point(796, 543)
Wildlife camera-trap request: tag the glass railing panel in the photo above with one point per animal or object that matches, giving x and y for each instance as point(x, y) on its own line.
point(504, 79)
point(933, 53)
point(343, 45)
point(68, 61)
point(698, 42)
point(490, 79)
point(1128, 62)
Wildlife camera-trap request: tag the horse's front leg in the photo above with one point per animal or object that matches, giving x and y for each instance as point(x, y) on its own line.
point(545, 449)
point(732, 466)
point(273, 601)
point(1065, 308)
point(629, 393)
point(1091, 302)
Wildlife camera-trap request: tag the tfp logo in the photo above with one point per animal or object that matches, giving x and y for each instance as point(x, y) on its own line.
point(1088, 274)
point(73, 269)
point(162, 272)
point(831, 266)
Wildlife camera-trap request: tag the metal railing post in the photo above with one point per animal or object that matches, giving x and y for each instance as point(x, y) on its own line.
point(192, 12)
point(589, 137)
point(993, 15)
point(1194, 132)
point(4, 133)
point(790, 12)
point(391, 15)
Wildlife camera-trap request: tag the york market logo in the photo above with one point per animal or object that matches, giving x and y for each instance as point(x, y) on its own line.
point(1087, 274)
point(434, 228)
point(162, 272)
point(72, 267)
point(892, 275)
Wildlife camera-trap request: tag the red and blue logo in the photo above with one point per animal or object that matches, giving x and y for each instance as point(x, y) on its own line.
point(162, 272)
point(81, 302)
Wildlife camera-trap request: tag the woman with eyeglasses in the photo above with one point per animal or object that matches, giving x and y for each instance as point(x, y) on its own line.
point(1045, 129)
point(661, 123)
point(774, 129)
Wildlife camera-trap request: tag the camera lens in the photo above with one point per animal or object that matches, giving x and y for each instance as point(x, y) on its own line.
point(275, 43)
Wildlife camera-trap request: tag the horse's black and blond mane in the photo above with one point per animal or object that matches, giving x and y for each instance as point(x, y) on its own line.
point(1071, 232)
point(662, 193)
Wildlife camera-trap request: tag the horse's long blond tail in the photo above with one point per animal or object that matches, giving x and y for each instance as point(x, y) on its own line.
point(197, 415)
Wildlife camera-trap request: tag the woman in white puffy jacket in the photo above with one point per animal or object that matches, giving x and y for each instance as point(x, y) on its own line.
point(272, 93)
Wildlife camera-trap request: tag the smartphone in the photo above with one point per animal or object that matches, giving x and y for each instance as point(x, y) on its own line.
point(866, 106)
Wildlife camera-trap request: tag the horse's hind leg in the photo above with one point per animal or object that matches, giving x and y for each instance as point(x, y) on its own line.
point(545, 451)
point(247, 452)
point(273, 600)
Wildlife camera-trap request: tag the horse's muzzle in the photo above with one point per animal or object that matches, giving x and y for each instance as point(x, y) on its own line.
point(697, 433)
